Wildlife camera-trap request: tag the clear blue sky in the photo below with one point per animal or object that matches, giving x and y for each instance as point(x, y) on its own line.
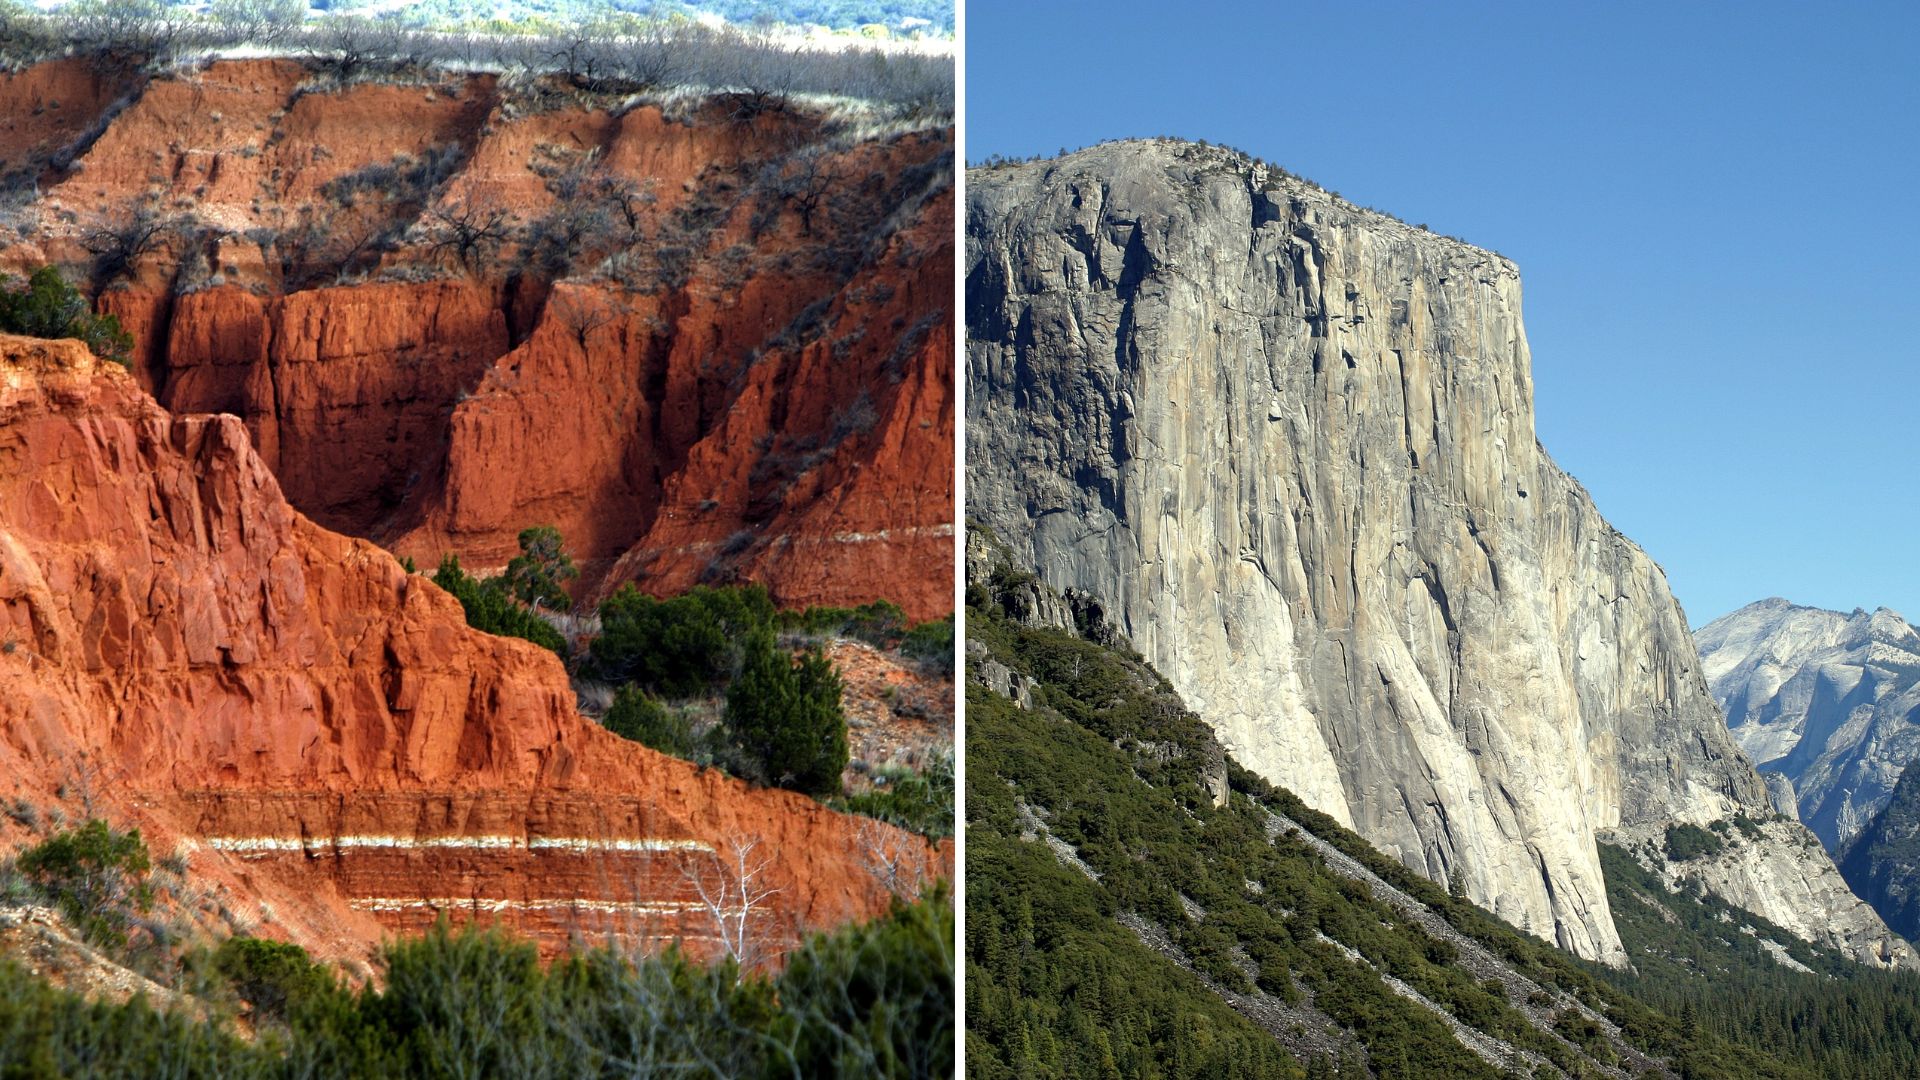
point(1713, 207)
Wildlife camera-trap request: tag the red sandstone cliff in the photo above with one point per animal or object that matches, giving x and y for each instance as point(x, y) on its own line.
point(711, 344)
point(321, 729)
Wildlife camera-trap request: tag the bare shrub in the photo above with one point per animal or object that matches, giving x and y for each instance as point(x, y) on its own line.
point(620, 54)
point(264, 22)
point(117, 244)
point(468, 231)
point(148, 29)
point(580, 312)
point(652, 58)
point(403, 178)
point(562, 234)
point(803, 180)
point(893, 856)
point(593, 213)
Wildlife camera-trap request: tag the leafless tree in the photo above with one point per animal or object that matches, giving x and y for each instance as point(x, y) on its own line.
point(86, 780)
point(803, 181)
point(117, 245)
point(892, 856)
point(468, 230)
point(654, 56)
point(629, 202)
point(734, 897)
point(581, 312)
point(588, 56)
point(347, 47)
point(149, 29)
point(525, 56)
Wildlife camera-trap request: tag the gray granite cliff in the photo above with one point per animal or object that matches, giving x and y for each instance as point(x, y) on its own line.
point(1288, 445)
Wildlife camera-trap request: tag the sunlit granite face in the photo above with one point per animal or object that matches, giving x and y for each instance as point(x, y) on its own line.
point(1290, 444)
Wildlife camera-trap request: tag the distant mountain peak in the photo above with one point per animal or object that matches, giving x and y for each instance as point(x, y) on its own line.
point(1830, 700)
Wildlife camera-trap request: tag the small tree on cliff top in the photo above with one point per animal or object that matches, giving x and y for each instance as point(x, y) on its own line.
point(45, 306)
point(535, 575)
point(489, 608)
point(639, 716)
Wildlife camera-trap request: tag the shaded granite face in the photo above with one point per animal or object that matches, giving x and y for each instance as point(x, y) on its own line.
point(1883, 862)
point(1289, 444)
point(1825, 701)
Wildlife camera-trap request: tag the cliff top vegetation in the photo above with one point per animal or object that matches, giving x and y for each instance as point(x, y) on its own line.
point(613, 51)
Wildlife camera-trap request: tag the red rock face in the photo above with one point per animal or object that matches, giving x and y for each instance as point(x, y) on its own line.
point(752, 380)
point(52, 105)
point(349, 405)
point(323, 731)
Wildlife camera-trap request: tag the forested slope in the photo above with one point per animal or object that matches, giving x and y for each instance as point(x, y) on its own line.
point(1139, 905)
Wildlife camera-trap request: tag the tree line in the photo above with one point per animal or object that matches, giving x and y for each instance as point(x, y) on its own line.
point(616, 53)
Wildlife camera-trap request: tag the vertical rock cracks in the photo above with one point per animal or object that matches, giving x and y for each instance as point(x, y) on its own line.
point(660, 353)
point(319, 732)
point(1289, 443)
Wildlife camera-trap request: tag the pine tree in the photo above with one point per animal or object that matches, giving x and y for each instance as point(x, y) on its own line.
point(538, 574)
point(784, 716)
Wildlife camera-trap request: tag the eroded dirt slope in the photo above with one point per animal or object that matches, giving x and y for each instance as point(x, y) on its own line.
point(711, 341)
point(319, 730)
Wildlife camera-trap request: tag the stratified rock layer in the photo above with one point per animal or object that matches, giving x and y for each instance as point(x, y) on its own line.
point(1825, 701)
point(1289, 444)
point(709, 344)
point(180, 649)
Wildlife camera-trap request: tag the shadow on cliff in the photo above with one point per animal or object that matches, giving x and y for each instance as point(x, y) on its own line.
point(709, 338)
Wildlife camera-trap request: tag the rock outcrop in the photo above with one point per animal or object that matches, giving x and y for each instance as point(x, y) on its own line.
point(1776, 869)
point(1288, 443)
point(709, 343)
point(1882, 864)
point(1828, 702)
point(321, 732)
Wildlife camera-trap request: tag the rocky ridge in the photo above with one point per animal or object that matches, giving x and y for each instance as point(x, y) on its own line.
point(1883, 861)
point(320, 734)
point(1826, 701)
point(1288, 445)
